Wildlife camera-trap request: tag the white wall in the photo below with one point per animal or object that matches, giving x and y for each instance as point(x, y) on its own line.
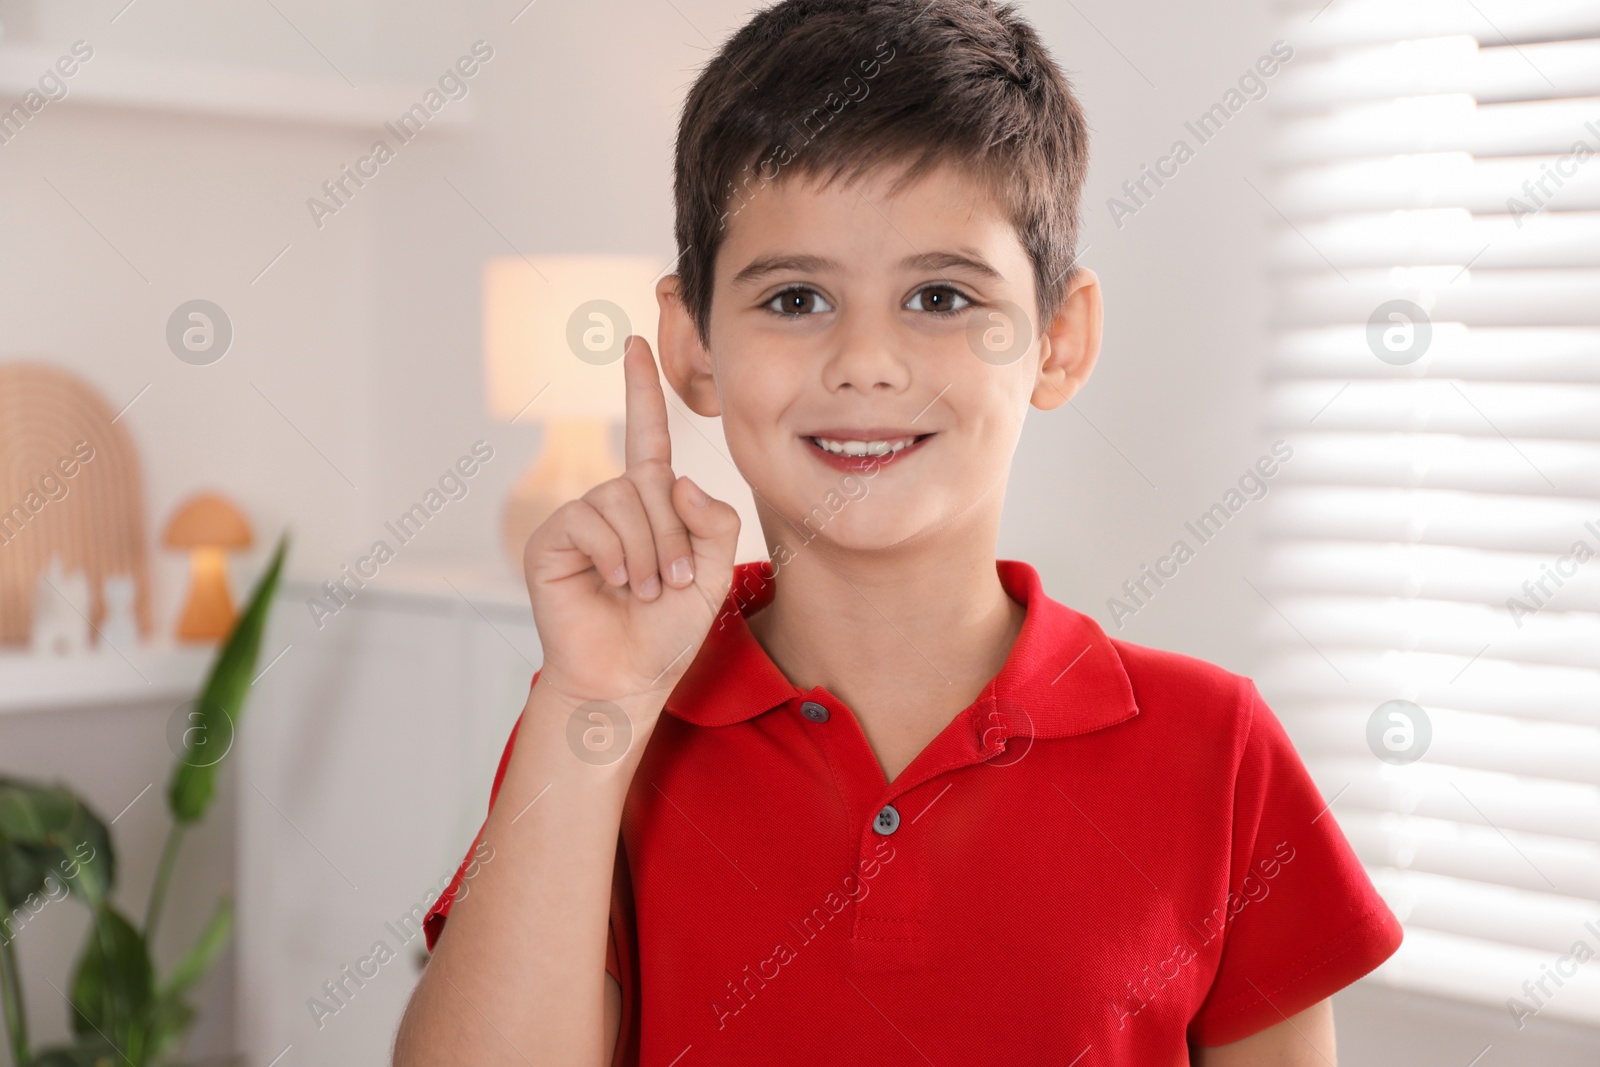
point(366, 333)
point(1168, 421)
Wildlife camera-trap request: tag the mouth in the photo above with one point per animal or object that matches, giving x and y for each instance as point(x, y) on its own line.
point(864, 449)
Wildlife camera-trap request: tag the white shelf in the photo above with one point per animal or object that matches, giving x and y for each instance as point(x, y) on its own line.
point(101, 677)
point(169, 672)
point(486, 585)
point(193, 88)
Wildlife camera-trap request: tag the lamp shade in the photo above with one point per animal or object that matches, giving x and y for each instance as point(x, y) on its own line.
point(207, 520)
point(560, 321)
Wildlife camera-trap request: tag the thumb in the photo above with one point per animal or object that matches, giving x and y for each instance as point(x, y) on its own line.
point(713, 524)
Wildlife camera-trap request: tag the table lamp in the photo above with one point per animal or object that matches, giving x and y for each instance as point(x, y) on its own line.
point(553, 329)
point(207, 525)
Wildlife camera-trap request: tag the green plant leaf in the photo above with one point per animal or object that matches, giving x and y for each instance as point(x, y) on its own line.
point(45, 831)
point(88, 860)
point(91, 1051)
point(22, 874)
point(204, 952)
point(114, 985)
point(29, 812)
point(222, 699)
point(170, 1018)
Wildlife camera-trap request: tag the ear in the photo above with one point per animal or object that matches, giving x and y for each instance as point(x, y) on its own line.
point(1069, 348)
point(684, 360)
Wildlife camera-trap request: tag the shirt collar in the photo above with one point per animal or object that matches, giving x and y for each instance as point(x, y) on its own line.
point(1062, 677)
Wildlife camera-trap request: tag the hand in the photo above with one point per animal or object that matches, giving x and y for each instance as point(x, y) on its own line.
point(626, 582)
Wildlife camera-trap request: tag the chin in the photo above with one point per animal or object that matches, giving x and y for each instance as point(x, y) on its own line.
point(866, 532)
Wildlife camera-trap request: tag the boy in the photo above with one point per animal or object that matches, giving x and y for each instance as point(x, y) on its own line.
point(902, 807)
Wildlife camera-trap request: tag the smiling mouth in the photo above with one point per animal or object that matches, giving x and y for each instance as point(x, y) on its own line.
point(851, 448)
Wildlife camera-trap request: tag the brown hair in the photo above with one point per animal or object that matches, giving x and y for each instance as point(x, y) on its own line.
point(831, 88)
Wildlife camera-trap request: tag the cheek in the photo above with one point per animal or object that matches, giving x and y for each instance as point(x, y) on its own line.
point(749, 422)
point(749, 411)
point(755, 392)
point(746, 447)
point(979, 454)
point(990, 408)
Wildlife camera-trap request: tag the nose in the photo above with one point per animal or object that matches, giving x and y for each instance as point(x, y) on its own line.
point(866, 357)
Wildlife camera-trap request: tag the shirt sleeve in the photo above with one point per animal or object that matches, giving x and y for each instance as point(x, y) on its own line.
point(1302, 919)
point(433, 922)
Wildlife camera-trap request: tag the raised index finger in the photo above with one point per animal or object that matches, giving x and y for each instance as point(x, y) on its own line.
point(646, 410)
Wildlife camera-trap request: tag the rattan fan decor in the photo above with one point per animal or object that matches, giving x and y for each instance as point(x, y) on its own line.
point(51, 423)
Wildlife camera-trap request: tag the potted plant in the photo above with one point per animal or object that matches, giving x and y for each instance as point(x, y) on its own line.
point(121, 1013)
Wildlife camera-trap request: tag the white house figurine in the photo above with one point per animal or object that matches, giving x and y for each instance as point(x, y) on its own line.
point(60, 612)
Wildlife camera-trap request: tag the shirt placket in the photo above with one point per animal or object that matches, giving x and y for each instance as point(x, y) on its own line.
point(890, 829)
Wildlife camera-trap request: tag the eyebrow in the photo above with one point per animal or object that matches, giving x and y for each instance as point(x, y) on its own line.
point(808, 264)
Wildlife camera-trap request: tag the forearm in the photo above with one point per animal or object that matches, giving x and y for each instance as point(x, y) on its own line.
point(518, 973)
point(1302, 1040)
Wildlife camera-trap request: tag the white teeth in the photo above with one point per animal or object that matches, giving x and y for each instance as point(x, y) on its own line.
point(864, 448)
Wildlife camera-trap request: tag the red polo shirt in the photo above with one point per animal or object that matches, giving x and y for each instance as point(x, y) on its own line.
point(1112, 852)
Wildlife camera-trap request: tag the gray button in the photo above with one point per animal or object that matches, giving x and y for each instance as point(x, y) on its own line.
point(888, 820)
point(814, 711)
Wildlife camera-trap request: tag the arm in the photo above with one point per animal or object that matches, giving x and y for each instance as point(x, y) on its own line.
point(518, 974)
point(1303, 1040)
point(613, 1017)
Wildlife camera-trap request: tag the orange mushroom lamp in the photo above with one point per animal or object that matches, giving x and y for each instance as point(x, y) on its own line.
point(208, 526)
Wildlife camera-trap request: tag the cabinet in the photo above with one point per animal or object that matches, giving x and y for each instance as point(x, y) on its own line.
point(365, 761)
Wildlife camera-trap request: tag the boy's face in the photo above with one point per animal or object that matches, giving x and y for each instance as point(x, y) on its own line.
point(843, 315)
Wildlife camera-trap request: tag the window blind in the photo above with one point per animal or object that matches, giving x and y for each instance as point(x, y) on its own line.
point(1435, 192)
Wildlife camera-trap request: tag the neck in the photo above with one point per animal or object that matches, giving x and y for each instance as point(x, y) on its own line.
point(924, 621)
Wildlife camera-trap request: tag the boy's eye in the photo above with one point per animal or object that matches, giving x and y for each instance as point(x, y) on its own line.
point(940, 299)
point(798, 301)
